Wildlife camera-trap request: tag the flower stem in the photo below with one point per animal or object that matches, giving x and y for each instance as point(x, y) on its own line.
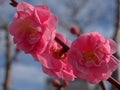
point(114, 82)
point(14, 3)
point(102, 85)
point(65, 47)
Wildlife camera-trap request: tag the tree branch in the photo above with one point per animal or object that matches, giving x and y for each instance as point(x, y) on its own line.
point(7, 83)
point(14, 3)
point(114, 82)
point(102, 85)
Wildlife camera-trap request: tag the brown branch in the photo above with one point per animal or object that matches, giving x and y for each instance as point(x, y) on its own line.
point(7, 83)
point(14, 3)
point(9, 60)
point(114, 82)
point(65, 47)
point(115, 37)
point(60, 85)
point(102, 85)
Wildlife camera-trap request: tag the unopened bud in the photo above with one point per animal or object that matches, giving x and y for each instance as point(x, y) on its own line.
point(65, 83)
point(75, 30)
point(56, 83)
point(17, 50)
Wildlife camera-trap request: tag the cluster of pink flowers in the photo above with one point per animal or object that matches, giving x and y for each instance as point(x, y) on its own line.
point(89, 57)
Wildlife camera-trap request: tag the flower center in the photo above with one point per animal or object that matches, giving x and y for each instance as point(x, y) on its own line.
point(90, 56)
point(58, 53)
point(28, 26)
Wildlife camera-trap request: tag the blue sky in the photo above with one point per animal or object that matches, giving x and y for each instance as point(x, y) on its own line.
point(27, 74)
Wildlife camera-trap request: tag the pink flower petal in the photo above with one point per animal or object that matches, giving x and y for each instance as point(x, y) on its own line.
point(23, 6)
point(53, 63)
point(43, 13)
point(29, 34)
point(52, 22)
point(113, 46)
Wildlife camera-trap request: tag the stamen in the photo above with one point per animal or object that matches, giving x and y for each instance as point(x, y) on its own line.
point(90, 56)
point(58, 52)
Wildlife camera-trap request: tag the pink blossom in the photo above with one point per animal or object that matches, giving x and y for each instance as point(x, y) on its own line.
point(33, 27)
point(54, 60)
point(91, 56)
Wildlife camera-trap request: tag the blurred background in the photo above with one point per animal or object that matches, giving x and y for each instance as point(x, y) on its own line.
point(23, 73)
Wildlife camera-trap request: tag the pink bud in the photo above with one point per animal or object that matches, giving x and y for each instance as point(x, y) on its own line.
point(75, 30)
point(17, 50)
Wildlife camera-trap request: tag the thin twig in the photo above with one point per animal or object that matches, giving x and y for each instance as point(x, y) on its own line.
point(114, 82)
point(9, 60)
point(60, 85)
point(66, 48)
point(14, 3)
point(102, 85)
point(7, 83)
point(116, 34)
point(60, 88)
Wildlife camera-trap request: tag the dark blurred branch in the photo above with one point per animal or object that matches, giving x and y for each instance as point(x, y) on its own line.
point(14, 3)
point(116, 34)
point(114, 82)
point(117, 20)
point(9, 59)
point(2, 27)
point(66, 48)
point(102, 85)
point(7, 83)
point(60, 85)
point(4, 23)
